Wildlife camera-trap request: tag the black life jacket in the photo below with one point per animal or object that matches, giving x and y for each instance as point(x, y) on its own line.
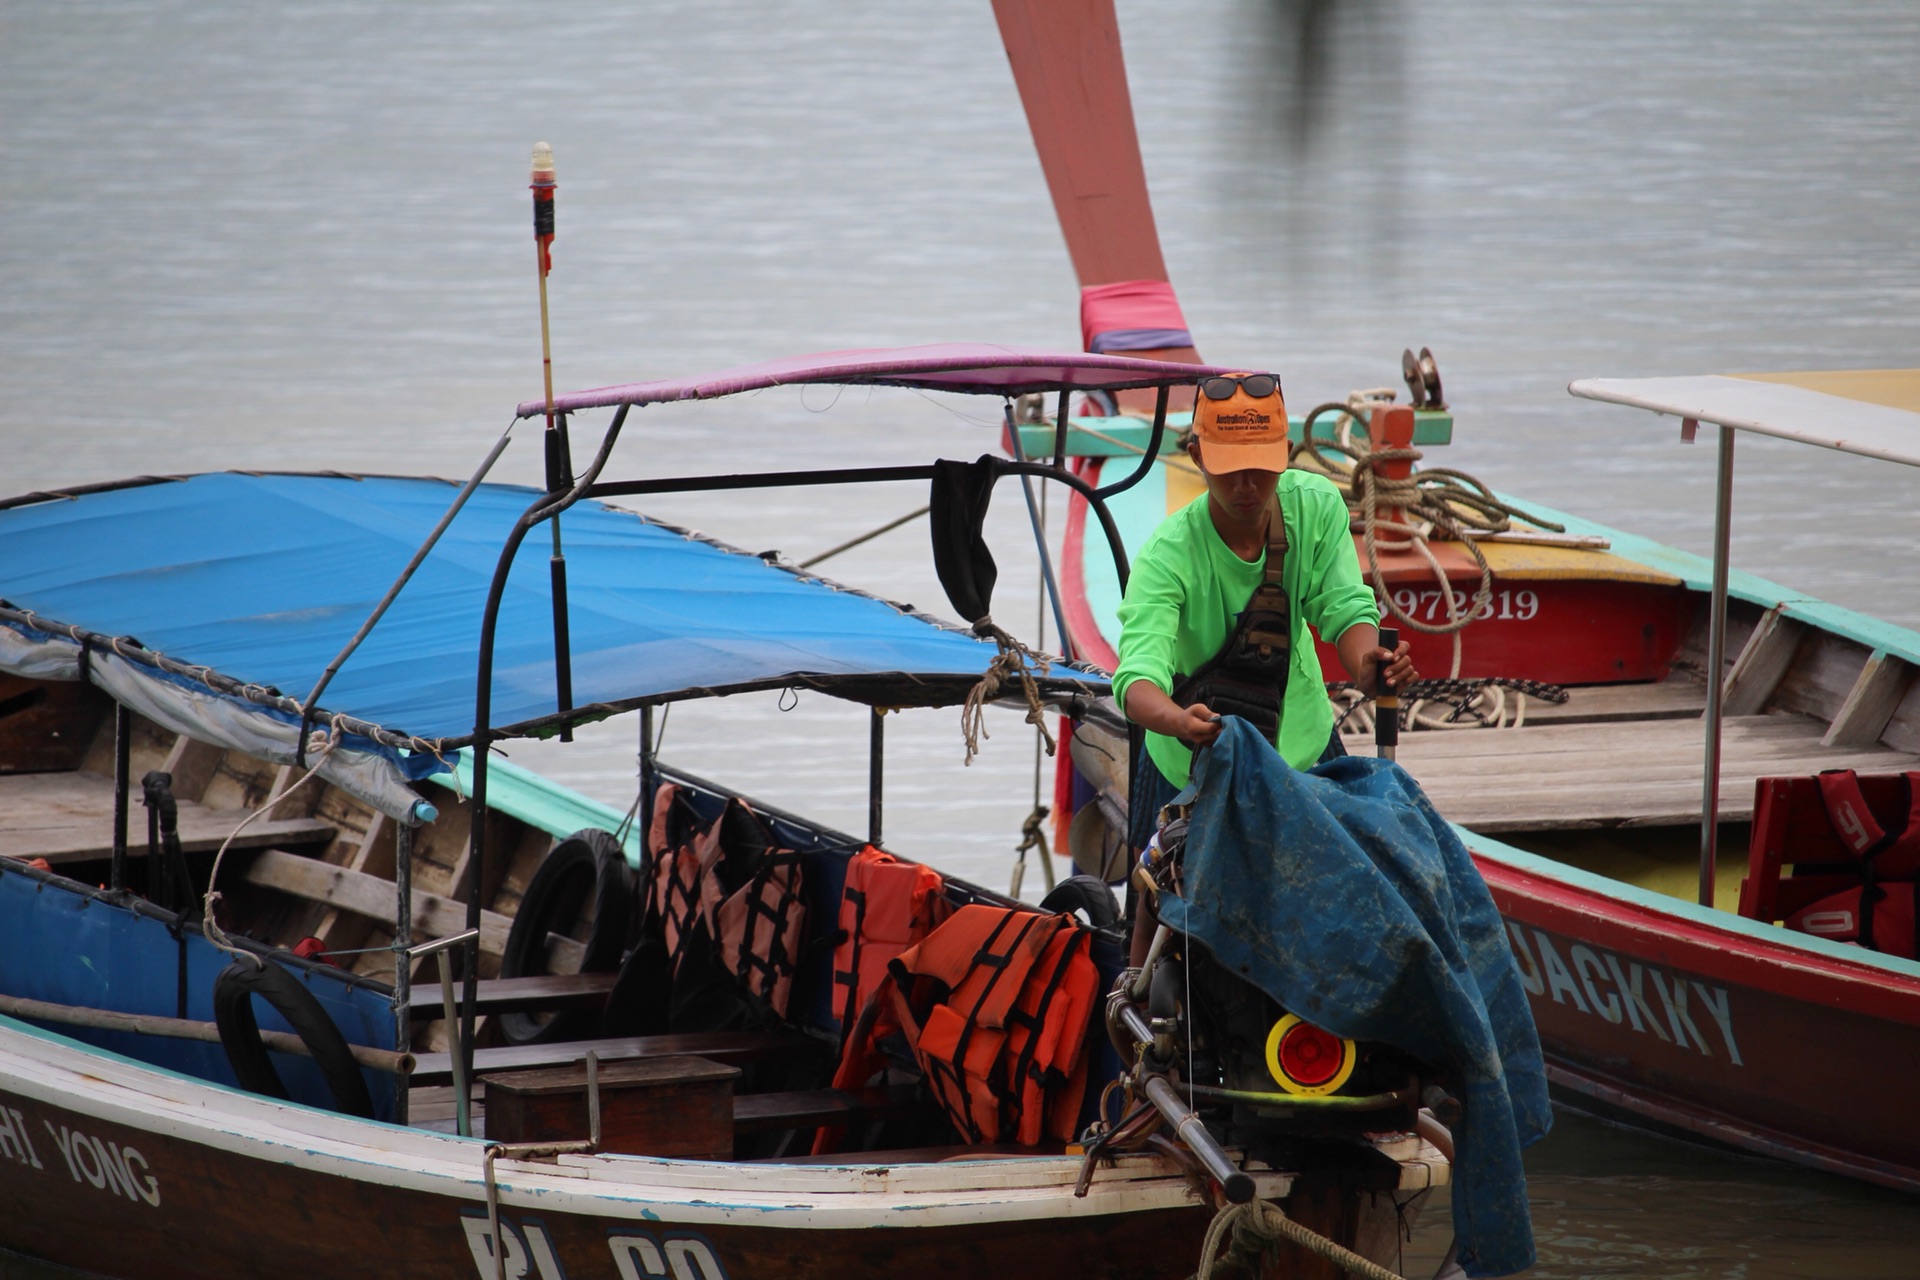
point(1879, 912)
point(1248, 676)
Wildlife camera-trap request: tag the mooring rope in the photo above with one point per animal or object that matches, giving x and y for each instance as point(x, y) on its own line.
point(1455, 504)
point(1014, 662)
point(1258, 1225)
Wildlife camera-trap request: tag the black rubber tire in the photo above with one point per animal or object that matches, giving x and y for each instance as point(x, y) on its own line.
point(587, 866)
point(233, 993)
point(1084, 893)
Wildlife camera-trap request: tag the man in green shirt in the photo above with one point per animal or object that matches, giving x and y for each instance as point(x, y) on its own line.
point(1197, 572)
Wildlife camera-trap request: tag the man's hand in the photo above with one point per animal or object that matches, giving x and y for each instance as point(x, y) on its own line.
point(1364, 658)
point(1398, 667)
point(1149, 707)
point(1199, 727)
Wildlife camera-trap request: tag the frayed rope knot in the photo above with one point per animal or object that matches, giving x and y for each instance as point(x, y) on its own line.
point(1014, 662)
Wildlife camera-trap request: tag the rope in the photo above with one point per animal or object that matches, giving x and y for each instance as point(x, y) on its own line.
point(1456, 505)
point(209, 928)
point(1033, 835)
point(1014, 662)
point(1449, 703)
point(1259, 1225)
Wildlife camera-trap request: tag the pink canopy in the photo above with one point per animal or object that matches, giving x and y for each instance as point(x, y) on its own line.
point(975, 367)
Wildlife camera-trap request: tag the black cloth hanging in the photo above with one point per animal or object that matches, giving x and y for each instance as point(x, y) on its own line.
point(961, 493)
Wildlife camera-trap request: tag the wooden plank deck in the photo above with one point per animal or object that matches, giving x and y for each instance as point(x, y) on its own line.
point(1639, 773)
point(68, 817)
point(1667, 700)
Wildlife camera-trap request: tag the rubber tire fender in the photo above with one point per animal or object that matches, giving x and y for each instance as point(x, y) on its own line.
point(1084, 893)
point(233, 991)
point(588, 862)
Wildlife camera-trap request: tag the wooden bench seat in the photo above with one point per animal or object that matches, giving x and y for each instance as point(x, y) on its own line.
point(811, 1108)
point(732, 1047)
point(544, 993)
point(432, 1107)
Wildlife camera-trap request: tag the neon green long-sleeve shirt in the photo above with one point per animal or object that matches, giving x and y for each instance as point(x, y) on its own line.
point(1186, 592)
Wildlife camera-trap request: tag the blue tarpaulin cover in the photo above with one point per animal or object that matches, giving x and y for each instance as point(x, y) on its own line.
point(1342, 894)
point(264, 577)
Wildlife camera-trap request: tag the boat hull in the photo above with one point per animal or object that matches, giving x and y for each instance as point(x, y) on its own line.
point(1738, 1033)
point(116, 1169)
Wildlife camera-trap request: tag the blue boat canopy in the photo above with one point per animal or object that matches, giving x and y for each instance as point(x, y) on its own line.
point(206, 600)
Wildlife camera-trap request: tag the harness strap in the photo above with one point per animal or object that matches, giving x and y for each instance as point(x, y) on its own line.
point(850, 976)
point(1847, 811)
point(1248, 675)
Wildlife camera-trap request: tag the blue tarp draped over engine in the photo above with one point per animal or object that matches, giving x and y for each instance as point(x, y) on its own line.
point(264, 577)
point(1342, 894)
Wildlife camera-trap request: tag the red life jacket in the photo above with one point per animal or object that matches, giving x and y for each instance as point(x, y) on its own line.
point(757, 926)
point(888, 905)
point(995, 1004)
point(1878, 913)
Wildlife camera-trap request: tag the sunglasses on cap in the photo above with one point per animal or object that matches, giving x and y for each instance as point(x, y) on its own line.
point(1257, 385)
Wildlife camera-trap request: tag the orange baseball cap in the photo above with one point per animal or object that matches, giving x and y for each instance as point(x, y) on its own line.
point(1237, 430)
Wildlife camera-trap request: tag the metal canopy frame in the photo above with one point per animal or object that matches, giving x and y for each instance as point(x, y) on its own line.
point(1735, 403)
point(565, 491)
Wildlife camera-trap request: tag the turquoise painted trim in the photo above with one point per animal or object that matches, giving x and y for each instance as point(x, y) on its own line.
point(1137, 512)
point(539, 802)
point(1036, 439)
point(1660, 903)
point(1697, 573)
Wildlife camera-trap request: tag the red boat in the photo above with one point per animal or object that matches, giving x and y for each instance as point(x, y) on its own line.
point(1664, 993)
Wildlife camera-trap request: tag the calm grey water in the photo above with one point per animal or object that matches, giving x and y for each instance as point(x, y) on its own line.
point(296, 237)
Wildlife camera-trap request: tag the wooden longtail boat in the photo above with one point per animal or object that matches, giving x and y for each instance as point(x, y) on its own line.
point(146, 634)
point(1665, 993)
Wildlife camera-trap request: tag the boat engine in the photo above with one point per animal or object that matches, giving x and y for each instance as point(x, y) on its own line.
point(1247, 1073)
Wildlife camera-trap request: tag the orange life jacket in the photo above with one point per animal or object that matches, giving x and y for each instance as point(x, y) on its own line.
point(1878, 913)
point(760, 927)
point(995, 1004)
point(681, 860)
point(757, 926)
point(888, 905)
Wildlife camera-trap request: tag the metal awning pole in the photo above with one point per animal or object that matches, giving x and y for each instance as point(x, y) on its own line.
point(1716, 661)
point(122, 771)
point(1040, 540)
point(460, 1060)
point(876, 773)
point(402, 962)
point(646, 774)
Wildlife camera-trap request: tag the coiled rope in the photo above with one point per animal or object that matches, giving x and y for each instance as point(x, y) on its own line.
point(1454, 504)
point(1449, 703)
point(1258, 1225)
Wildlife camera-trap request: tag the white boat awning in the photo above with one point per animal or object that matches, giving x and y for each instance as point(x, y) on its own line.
point(1872, 412)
